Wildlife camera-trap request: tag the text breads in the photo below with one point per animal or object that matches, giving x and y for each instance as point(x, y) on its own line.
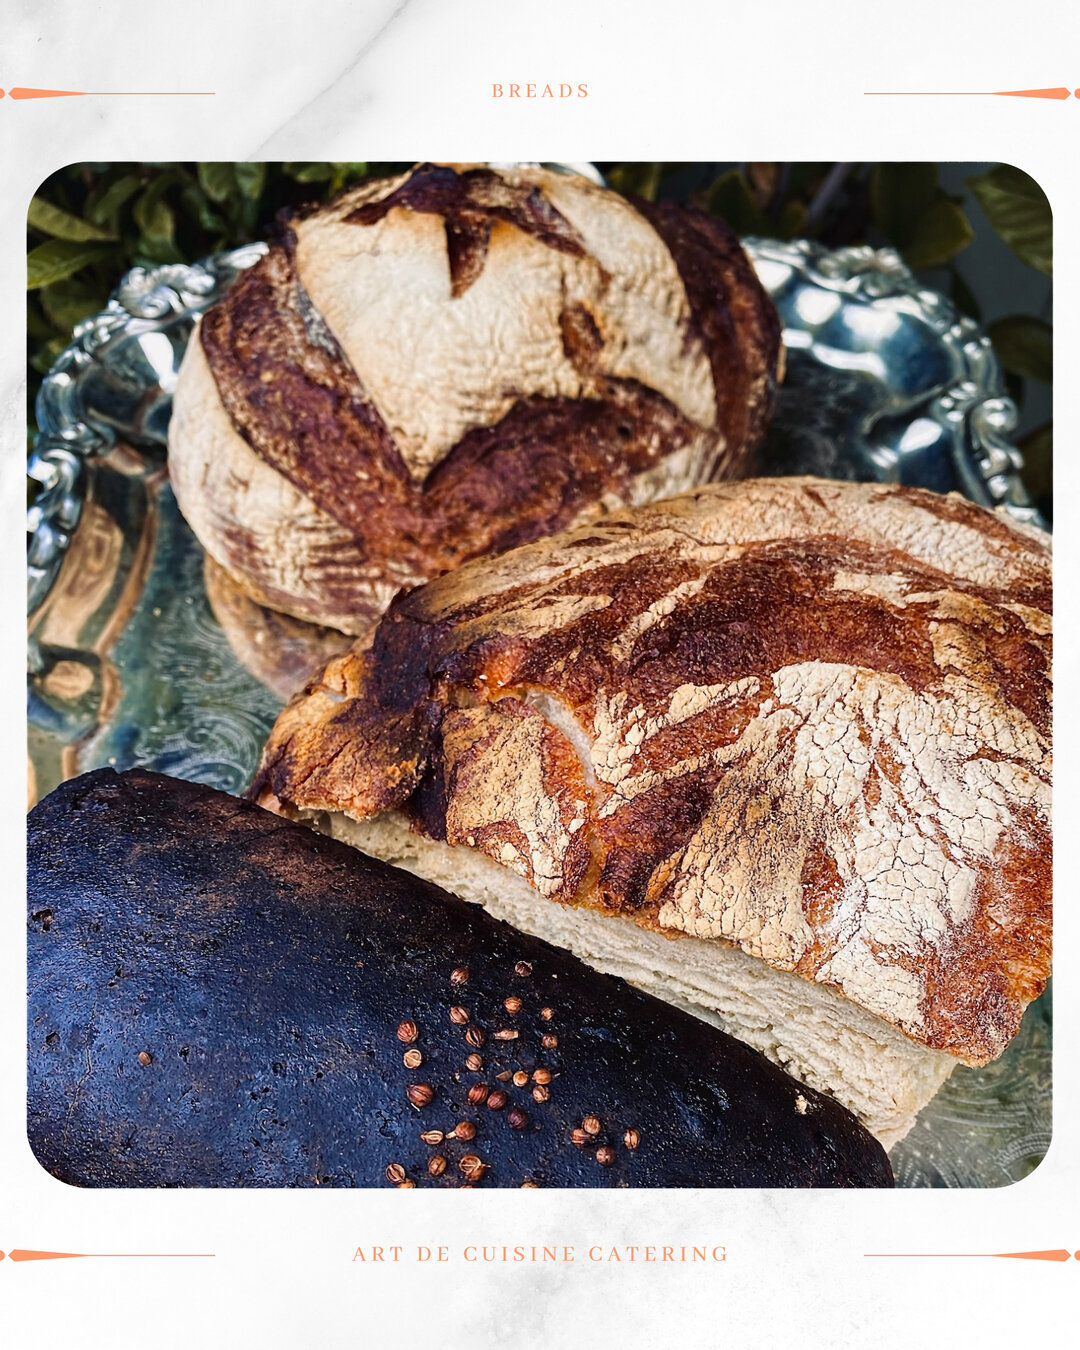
point(218, 998)
point(453, 362)
point(805, 719)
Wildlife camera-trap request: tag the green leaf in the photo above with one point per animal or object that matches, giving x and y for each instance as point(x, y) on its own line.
point(346, 173)
point(309, 173)
point(49, 219)
point(108, 203)
point(1025, 346)
point(251, 179)
point(939, 235)
point(964, 298)
point(218, 180)
point(900, 196)
point(199, 209)
point(37, 326)
point(67, 302)
point(1038, 451)
point(730, 198)
point(1018, 210)
point(638, 179)
point(156, 220)
point(46, 354)
point(151, 250)
point(59, 258)
point(1038, 471)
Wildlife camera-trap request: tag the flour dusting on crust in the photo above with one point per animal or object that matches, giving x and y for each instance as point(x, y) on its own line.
point(808, 719)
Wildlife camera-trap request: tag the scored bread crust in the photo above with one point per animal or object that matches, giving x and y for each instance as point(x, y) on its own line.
point(807, 718)
point(453, 362)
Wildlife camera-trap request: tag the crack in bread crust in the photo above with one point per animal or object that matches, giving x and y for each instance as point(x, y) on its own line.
point(469, 204)
point(816, 719)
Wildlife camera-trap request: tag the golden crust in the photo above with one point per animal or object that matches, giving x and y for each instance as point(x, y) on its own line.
point(448, 364)
point(807, 718)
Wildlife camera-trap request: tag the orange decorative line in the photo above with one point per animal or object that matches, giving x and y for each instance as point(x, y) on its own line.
point(108, 93)
point(19, 1255)
point(1061, 92)
point(1060, 1254)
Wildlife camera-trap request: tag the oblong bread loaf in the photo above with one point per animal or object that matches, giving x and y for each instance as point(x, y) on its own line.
point(219, 998)
point(805, 719)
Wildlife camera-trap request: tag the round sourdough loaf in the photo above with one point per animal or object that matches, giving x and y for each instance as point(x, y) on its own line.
point(451, 363)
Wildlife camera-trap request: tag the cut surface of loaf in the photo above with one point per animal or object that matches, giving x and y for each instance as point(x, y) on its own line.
point(802, 718)
point(808, 1029)
point(454, 361)
point(220, 998)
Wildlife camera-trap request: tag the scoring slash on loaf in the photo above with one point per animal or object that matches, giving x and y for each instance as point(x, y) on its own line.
point(455, 361)
point(802, 725)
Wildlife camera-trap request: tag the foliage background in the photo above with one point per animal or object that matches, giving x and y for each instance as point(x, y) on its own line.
point(960, 228)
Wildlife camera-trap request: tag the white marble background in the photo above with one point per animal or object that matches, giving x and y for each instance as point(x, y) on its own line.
point(394, 79)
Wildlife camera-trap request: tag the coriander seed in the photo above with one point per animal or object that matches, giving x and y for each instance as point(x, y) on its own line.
point(471, 1167)
point(420, 1094)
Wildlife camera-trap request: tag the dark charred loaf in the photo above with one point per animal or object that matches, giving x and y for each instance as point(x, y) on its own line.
point(218, 998)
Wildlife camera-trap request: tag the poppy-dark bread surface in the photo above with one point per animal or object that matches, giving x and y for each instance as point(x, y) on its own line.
point(221, 998)
point(795, 722)
point(454, 361)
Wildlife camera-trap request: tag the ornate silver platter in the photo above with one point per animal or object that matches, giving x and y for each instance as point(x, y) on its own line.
point(129, 666)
